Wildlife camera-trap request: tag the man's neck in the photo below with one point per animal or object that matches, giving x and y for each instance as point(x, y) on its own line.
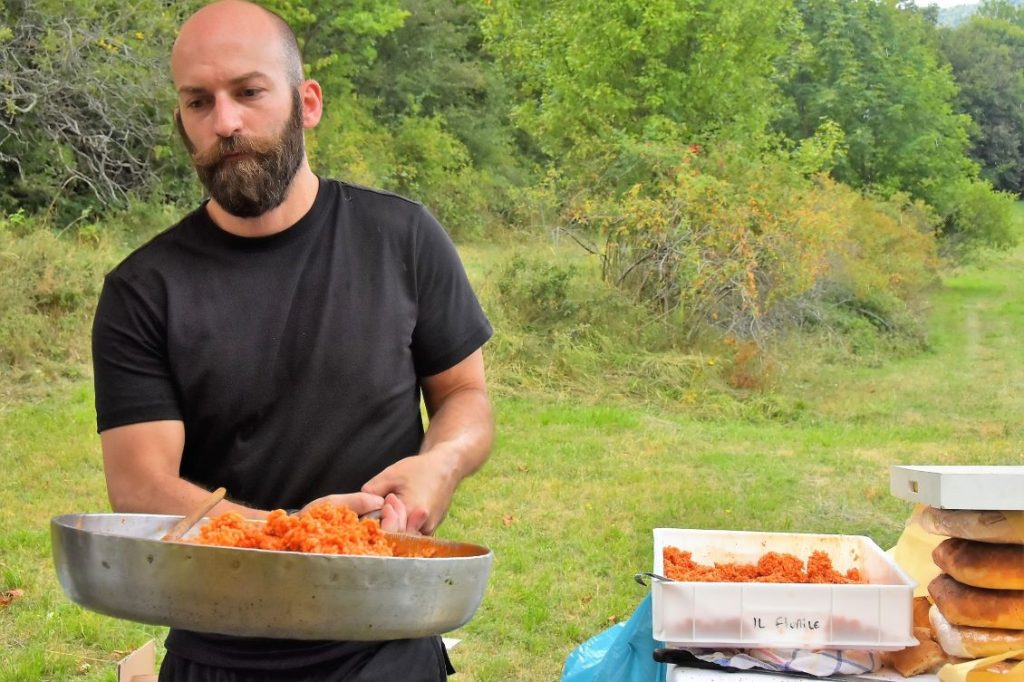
point(297, 202)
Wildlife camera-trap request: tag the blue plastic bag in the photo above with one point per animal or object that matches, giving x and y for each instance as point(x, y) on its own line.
point(622, 653)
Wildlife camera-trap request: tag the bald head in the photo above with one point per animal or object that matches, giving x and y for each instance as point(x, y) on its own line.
point(226, 24)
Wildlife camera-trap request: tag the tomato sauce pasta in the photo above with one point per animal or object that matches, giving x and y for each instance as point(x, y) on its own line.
point(322, 529)
point(772, 567)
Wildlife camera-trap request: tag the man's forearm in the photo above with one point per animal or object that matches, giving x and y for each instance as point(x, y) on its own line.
point(169, 495)
point(141, 463)
point(457, 442)
point(461, 432)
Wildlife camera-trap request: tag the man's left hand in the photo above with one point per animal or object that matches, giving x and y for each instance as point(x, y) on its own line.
point(425, 483)
point(457, 441)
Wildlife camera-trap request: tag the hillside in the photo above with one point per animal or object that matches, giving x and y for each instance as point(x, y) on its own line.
point(951, 17)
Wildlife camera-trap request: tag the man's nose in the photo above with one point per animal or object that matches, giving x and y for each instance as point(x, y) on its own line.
point(227, 119)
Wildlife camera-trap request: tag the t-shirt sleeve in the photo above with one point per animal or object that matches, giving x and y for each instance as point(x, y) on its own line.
point(130, 367)
point(450, 323)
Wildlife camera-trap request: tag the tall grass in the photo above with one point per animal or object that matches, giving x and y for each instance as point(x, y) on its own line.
point(51, 280)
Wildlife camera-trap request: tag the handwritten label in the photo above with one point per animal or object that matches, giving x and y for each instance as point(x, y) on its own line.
point(788, 623)
point(788, 627)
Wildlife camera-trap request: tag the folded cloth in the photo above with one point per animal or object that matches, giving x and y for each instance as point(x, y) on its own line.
point(820, 663)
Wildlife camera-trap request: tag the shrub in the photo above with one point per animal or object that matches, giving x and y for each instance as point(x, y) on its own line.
point(978, 216)
point(536, 293)
point(86, 104)
point(418, 159)
point(349, 144)
point(729, 245)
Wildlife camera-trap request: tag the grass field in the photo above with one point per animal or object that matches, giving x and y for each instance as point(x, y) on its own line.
point(574, 486)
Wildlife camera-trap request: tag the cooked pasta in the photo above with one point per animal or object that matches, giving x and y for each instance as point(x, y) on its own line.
point(323, 529)
point(772, 567)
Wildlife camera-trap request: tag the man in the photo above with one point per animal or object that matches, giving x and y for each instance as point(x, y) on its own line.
point(277, 340)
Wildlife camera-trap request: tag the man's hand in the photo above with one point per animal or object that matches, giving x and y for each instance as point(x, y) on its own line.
point(393, 516)
point(457, 442)
point(360, 503)
point(423, 485)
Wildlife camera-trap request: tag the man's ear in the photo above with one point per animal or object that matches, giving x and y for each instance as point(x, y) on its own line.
point(312, 98)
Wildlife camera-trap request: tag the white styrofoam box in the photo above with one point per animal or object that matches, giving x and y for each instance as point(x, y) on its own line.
point(984, 488)
point(875, 615)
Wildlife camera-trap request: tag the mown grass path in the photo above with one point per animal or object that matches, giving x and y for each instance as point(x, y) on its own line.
point(572, 491)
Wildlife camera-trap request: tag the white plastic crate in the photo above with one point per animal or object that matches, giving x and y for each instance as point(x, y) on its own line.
point(875, 615)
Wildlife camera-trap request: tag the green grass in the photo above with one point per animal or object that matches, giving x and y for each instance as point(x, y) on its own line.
point(578, 480)
point(52, 465)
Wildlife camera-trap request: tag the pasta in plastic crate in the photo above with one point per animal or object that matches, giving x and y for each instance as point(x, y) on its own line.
point(877, 614)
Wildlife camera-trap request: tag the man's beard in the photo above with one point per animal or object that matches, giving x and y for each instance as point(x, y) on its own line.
point(250, 185)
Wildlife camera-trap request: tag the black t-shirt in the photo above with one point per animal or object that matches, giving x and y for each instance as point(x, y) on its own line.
point(293, 360)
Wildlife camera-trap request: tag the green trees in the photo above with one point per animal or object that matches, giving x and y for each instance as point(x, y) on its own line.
point(339, 39)
point(410, 102)
point(84, 106)
point(869, 67)
point(872, 68)
point(436, 65)
point(589, 74)
point(987, 59)
point(438, 91)
point(684, 139)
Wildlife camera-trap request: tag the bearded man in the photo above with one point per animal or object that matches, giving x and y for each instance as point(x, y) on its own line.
point(278, 339)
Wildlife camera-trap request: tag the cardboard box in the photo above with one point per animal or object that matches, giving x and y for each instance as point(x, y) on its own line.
point(139, 666)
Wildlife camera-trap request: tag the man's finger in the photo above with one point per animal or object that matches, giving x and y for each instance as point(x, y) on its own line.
point(360, 503)
point(379, 485)
point(393, 515)
point(417, 522)
point(389, 520)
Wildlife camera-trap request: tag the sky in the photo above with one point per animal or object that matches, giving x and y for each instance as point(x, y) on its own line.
point(945, 3)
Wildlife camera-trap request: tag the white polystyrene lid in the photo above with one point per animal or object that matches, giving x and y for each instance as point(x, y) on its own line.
point(970, 470)
point(980, 487)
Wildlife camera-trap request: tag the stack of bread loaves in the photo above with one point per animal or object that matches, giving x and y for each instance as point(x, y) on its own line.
point(979, 598)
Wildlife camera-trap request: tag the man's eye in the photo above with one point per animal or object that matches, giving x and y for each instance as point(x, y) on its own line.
point(250, 92)
point(194, 104)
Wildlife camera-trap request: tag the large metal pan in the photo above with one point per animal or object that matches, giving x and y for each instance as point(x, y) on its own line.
point(116, 564)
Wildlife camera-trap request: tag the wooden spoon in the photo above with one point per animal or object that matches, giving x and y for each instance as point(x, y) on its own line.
point(181, 527)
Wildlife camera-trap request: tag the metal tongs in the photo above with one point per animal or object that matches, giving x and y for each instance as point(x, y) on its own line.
point(640, 578)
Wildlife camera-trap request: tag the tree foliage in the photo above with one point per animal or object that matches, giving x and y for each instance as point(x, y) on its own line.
point(1002, 10)
point(410, 101)
point(870, 67)
point(339, 39)
point(987, 58)
point(588, 73)
point(436, 65)
point(85, 106)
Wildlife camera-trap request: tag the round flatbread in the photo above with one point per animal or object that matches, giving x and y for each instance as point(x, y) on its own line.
point(982, 564)
point(967, 642)
point(978, 607)
point(982, 526)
